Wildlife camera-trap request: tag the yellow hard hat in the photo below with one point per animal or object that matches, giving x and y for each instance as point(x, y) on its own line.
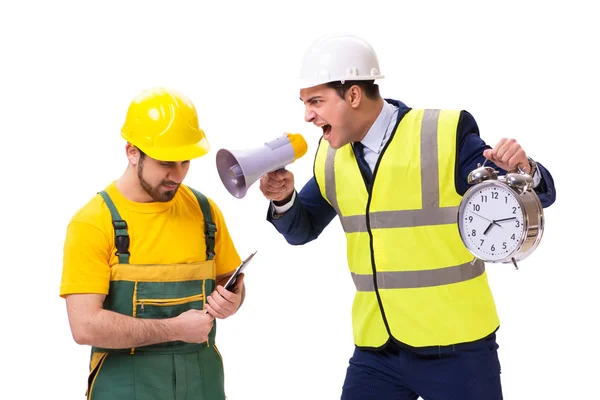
point(163, 123)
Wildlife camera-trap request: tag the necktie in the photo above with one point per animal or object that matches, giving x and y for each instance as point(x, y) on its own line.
point(362, 163)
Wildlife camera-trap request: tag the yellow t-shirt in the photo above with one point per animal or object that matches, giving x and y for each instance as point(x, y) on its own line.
point(160, 233)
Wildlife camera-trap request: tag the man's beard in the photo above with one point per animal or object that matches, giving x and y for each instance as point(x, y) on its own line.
point(155, 192)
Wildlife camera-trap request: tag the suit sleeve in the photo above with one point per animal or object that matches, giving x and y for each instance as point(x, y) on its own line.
point(306, 219)
point(470, 153)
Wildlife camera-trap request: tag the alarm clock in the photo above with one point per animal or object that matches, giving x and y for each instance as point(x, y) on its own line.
point(500, 218)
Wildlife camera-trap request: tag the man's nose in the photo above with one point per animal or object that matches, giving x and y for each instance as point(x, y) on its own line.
point(177, 173)
point(309, 115)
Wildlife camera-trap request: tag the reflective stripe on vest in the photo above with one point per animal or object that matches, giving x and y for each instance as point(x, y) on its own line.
point(414, 278)
point(430, 214)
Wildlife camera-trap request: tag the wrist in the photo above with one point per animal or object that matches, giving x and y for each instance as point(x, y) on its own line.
point(283, 202)
point(534, 172)
point(532, 166)
point(172, 329)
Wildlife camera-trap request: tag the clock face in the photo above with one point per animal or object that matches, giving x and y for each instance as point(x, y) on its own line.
point(491, 222)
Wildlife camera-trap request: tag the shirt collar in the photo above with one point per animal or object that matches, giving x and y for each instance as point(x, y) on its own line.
point(376, 133)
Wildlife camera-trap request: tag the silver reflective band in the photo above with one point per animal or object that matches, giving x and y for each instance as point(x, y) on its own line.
point(419, 279)
point(429, 214)
point(330, 179)
point(400, 219)
point(430, 180)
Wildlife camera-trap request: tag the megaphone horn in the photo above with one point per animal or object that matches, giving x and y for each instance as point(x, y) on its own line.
point(239, 169)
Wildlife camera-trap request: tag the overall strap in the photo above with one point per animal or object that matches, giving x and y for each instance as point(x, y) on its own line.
point(209, 227)
point(121, 236)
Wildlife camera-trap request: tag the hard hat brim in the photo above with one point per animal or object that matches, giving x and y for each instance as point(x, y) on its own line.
point(310, 83)
point(183, 153)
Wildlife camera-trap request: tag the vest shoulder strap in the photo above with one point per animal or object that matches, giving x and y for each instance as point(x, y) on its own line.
point(210, 228)
point(120, 226)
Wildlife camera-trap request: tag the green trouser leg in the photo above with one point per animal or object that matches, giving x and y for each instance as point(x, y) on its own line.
point(196, 375)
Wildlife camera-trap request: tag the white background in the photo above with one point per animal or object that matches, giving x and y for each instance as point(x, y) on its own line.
point(524, 69)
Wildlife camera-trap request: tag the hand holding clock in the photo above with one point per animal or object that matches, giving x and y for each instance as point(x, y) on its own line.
point(508, 155)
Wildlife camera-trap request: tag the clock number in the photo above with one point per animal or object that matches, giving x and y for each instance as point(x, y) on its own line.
point(513, 236)
point(481, 241)
point(506, 199)
point(494, 195)
point(492, 248)
point(476, 207)
point(518, 224)
point(473, 233)
point(470, 218)
point(504, 244)
point(483, 199)
point(514, 210)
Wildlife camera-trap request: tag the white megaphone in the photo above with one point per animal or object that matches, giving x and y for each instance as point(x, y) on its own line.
point(239, 169)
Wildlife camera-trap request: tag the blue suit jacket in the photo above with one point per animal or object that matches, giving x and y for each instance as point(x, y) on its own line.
point(311, 213)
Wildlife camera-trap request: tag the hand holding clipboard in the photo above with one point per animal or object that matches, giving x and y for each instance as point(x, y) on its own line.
point(231, 282)
point(233, 279)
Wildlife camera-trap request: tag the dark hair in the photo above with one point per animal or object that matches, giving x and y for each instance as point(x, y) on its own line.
point(370, 88)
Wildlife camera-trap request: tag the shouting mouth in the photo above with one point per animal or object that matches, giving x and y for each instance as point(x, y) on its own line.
point(326, 131)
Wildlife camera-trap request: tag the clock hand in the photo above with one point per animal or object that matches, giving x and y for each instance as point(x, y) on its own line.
point(481, 216)
point(488, 228)
point(495, 222)
point(505, 219)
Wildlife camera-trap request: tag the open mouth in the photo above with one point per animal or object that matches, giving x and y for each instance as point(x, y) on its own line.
point(326, 131)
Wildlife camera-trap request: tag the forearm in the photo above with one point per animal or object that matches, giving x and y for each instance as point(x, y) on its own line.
point(306, 219)
point(470, 156)
point(112, 330)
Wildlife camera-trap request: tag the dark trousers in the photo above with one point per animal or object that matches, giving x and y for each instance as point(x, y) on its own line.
point(468, 371)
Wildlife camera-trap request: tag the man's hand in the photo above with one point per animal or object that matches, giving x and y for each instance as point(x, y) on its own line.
point(508, 154)
point(278, 186)
point(193, 326)
point(223, 303)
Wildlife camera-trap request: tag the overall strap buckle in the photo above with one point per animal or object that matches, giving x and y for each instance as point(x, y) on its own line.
point(210, 228)
point(120, 227)
point(122, 239)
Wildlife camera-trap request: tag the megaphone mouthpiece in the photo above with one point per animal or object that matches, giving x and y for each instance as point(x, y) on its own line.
point(235, 171)
point(299, 145)
point(239, 169)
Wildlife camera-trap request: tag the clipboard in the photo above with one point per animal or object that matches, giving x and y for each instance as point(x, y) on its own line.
point(238, 271)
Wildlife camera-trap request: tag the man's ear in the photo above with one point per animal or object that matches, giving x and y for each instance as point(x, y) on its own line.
point(133, 154)
point(354, 96)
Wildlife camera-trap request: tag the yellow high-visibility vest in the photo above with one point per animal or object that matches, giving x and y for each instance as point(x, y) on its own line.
point(415, 280)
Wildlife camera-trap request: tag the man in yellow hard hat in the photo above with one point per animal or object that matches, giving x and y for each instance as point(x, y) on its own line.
point(143, 263)
point(424, 319)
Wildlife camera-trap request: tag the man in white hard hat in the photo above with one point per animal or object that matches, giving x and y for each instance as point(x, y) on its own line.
point(395, 176)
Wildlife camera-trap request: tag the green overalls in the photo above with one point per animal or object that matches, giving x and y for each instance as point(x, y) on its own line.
point(165, 371)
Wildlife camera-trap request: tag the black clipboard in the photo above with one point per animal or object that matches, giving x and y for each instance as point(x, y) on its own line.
point(238, 271)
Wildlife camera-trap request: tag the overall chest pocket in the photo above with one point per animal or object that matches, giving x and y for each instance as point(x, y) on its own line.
point(167, 299)
point(167, 308)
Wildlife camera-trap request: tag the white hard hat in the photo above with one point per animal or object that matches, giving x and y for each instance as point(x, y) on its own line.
point(338, 57)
